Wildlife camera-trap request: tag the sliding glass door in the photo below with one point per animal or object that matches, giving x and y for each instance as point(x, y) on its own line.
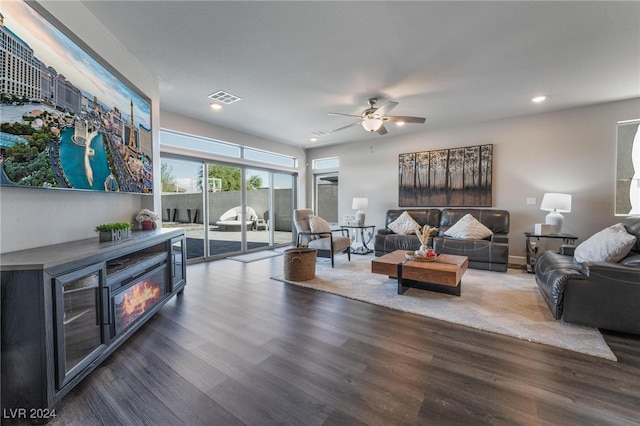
point(182, 201)
point(234, 209)
point(227, 221)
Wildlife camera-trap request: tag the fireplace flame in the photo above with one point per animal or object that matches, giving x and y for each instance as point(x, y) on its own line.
point(140, 297)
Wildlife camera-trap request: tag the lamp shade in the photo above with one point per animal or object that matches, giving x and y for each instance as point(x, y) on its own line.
point(360, 203)
point(372, 123)
point(555, 202)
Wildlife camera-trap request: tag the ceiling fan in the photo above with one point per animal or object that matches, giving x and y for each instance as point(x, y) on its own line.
point(372, 119)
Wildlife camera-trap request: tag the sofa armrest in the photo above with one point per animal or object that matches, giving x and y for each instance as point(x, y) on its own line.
point(606, 272)
point(500, 238)
point(385, 231)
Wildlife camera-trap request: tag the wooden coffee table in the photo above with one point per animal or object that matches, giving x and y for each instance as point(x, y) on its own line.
point(443, 275)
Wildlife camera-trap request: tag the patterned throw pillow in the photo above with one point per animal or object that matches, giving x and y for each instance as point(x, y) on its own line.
point(468, 228)
point(404, 225)
point(611, 244)
point(318, 224)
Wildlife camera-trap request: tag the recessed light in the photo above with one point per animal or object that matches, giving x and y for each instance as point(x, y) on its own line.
point(216, 106)
point(400, 123)
point(538, 99)
point(313, 139)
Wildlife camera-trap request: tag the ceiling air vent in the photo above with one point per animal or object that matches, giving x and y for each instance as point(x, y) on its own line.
point(320, 133)
point(224, 97)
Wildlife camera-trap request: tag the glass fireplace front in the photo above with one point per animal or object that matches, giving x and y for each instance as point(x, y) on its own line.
point(137, 298)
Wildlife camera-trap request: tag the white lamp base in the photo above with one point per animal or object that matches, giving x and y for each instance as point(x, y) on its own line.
point(360, 217)
point(556, 220)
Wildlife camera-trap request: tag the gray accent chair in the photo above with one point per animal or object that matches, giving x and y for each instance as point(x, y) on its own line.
point(326, 243)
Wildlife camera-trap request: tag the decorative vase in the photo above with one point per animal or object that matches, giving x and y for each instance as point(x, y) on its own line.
point(147, 225)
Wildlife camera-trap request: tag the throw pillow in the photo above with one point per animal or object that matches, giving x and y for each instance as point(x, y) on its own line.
point(318, 224)
point(611, 244)
point(404, 224)
point(468, 228)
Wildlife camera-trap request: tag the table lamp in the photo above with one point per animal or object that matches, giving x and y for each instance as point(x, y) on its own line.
point(556, 204)
point(360, 204)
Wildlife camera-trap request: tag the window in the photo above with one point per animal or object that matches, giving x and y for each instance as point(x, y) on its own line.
point(196, 143)
point(199, 144)
point(269, 157)
point(326, 163)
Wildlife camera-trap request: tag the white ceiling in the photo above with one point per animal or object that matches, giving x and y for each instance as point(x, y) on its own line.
point(451, 62)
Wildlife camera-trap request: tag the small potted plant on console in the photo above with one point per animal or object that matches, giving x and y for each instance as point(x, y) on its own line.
point(147, 219)
point(115, 231)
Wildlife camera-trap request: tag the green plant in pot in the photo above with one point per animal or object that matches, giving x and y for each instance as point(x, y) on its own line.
point(115, 231)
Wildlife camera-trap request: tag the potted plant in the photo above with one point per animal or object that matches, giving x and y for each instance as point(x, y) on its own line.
point(147, 219)
point(115, 231)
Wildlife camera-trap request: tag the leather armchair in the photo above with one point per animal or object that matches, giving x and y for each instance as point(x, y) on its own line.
point(597, 294)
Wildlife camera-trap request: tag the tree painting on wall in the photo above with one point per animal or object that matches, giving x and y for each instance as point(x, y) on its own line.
point(628, 168)
point(454, 177)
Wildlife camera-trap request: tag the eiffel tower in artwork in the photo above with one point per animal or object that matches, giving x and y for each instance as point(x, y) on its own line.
point(132, 149)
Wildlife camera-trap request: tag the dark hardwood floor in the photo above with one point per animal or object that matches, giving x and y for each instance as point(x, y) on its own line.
point(239, 348)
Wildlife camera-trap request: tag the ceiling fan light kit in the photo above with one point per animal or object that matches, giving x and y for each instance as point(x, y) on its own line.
point(371, 124)
point(372, 119)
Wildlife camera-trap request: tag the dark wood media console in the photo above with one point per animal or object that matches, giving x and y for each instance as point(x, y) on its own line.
point(66, 307)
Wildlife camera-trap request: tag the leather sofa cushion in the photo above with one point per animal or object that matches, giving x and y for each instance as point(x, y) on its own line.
point(476, 250)
point(401, 242)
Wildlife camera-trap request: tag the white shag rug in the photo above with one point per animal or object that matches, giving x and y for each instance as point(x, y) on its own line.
point(504, 303)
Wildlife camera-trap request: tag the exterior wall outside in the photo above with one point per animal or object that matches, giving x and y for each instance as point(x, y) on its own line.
point(328, 203)
point(571, 151)
point(220, 202)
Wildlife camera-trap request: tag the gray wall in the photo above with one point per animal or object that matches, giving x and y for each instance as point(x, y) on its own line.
point(572, 151)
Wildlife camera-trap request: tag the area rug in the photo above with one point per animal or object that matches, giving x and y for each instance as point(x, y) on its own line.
point(505, 303)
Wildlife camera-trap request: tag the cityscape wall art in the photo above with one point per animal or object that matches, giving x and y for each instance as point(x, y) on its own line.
point(446, 177)
point(66, 120)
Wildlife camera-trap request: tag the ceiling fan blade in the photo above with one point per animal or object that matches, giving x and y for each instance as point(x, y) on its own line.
point(347, 126)
point(343, 115)
point(384, 109)
point(404, 119)
point(382, 130)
